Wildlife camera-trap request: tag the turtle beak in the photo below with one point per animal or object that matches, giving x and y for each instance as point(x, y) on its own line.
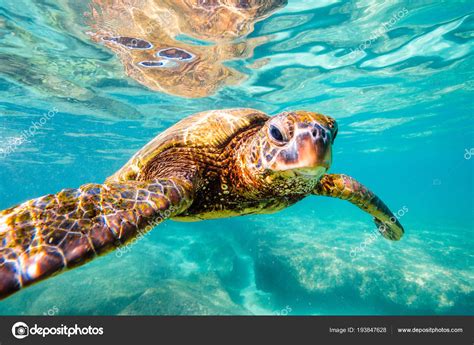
point(308, 154)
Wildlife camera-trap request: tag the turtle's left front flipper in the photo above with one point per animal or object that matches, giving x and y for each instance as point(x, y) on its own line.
point(346, 188)
point(44, 236)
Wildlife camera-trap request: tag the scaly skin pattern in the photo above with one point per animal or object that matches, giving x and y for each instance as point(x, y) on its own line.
point(197, 140)
point(214, 164)
point(223, 190)
point(346, 188)
point(46, 235)
point(248, 180)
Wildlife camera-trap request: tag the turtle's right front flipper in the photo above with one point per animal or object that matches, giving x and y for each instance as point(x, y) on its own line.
point(347, 188)
point(46, 235)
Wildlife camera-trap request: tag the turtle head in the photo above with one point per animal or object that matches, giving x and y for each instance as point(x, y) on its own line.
point(294, 149)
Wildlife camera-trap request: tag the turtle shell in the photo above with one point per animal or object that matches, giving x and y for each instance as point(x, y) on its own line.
point(209, 131)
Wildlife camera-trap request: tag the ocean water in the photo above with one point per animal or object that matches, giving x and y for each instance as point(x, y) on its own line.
point(397, 76)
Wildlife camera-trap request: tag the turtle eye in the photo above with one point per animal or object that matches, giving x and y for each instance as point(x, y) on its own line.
point(276, 133)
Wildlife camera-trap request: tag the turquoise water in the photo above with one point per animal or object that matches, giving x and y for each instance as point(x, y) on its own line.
point(401, 93)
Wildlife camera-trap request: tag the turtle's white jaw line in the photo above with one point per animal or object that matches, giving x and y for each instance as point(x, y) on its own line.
point(311, 173)
point(306, 173)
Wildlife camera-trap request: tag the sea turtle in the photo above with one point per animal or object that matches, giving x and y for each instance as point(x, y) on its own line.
point(213, 164)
